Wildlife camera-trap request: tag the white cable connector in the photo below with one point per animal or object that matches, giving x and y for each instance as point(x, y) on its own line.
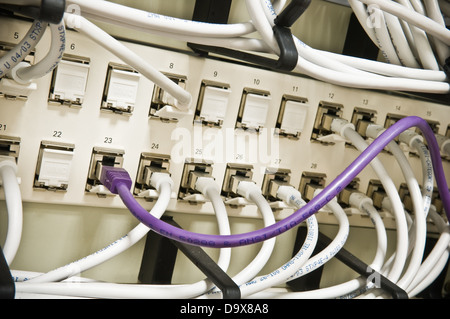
point(374, 130)
point(409, 137)
point(159, 178)
point(290, 195)
point(444, 144)
point(203, 184)
point(358, 200)
point(339, 125)
point(8, 161)
point(245, 188)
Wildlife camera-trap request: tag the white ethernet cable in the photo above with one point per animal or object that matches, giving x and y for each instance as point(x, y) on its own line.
point(346, 130)
point(256, 11)
point(317, 260)
point(24, 73)
point(436, 259)
point(418, 206)
point(249, 190)
point(23, 48)
point(113, 290)
point(413, 18)
point(292, 197)
point(13, 198)
point(93, 32)
point(163, 184)
point(153, 21)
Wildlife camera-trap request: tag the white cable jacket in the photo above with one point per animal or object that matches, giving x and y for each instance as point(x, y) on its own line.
point(50, 61)
point(153, 21)
point(13, 198)
point(128, 56)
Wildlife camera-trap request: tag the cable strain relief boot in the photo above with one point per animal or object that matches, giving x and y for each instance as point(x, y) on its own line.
point(339, 125)
point(111, 177)
point(158, 178)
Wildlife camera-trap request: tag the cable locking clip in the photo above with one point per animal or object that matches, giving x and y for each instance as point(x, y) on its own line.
point(288, 57)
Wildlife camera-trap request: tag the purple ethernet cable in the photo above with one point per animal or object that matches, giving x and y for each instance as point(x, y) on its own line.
point(118, 181)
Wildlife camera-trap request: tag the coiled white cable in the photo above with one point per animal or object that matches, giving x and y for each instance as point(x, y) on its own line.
point(25, 74)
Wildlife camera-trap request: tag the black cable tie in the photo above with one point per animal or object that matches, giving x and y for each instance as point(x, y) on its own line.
point(288, 57)
point(50, 11)
point(230, 290)
point(365, 270)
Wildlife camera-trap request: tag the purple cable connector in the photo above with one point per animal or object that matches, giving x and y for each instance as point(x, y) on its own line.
point(314, 205)
point(112, 176)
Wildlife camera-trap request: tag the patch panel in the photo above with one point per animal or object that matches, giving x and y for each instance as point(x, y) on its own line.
point(245, 123)
point(289, 117)
point(292, 116)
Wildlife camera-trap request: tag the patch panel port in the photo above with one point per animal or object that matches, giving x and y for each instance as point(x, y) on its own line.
point(291, 116)
point(120, 92)
point(149, 163)
point(212, 103)
point(101, 157)
point(54, 166)
point(326, 113)
point(273, 179)
point(376, 192)
point(253, 110)
point(309, 183)
point(361, 118)
point(234, 173)
point(192, 170)
point(69, 80)
point(10, 146)
point(162, 104)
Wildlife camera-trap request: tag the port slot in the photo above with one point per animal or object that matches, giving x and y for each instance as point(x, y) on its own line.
point(253, 110)
point(212, 103)
point(101, 157)
point(376, 192)
point(326, 113)
point(162, 103)
point(273, 179)
point(344, 196)
point(309, 183)
point(192, 170)
point(392, 119)
point(405, 197)
point(362, 118)
point(119, 94)
point(10, 146)
point(149, 163)
point(234, 173)
point(69, 79)
point(53, 166)
point(291, 117)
